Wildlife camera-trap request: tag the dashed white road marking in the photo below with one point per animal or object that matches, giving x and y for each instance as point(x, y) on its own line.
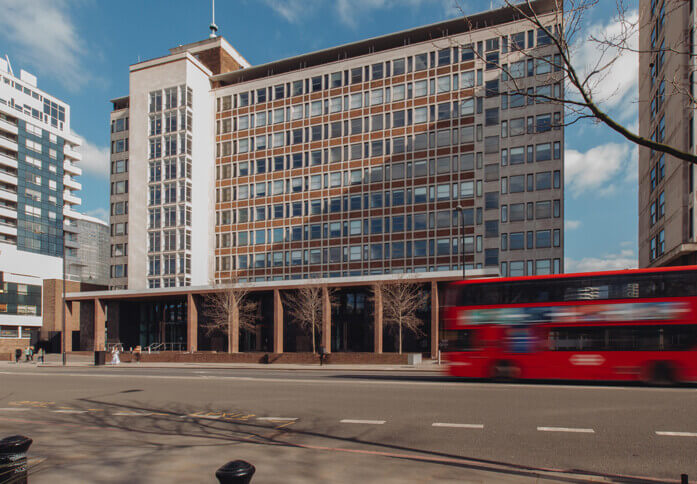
point(366, 422)
point(132, 414)
point(278, 419)
point(13, 409)
point(565, 429)
point(678, 434)
point(69, 411)
point(458, 425)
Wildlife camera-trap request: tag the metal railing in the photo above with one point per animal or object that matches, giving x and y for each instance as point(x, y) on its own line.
point(111, 346)
point(157, 347)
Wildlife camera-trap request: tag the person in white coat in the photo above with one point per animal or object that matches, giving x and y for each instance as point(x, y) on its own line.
point(115, 360)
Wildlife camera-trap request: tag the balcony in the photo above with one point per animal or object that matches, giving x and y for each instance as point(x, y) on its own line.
point(7, 160)
point(8, 177)
point(8, 195)
point(71, 168)
point(69, 227)
point(71, 244)
point(72, 184)
point(8, 229)
point(72, 154)
point(8, 143)
point(9, 127)
point(71, 199)
point(68, 212)
point(8, 212)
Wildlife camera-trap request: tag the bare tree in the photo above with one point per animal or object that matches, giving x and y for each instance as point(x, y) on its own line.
point(401, 299)
point(230, 304)
point(565, 29)
point(305, 306)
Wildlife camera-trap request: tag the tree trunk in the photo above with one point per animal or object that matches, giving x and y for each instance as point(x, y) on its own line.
point(229, 332)
point(313, 337)
point(400, 337)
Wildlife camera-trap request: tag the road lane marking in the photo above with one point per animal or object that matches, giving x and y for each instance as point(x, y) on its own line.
point(678, 434)
point(209, 415)
point(366, 422)
point(565, 429)
point(458, 425)
point(132, 414)
point(15, 409)
point(278, 419)
point(285, 424)
point(69, 411)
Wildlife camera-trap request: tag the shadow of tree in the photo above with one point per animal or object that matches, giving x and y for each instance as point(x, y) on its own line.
point(130, 437)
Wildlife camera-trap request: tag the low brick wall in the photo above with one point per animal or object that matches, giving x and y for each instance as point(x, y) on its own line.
point(9, 345)
point(286, 358)
point(7, 357)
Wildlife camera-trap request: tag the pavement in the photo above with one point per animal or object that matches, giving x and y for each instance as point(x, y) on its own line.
point(81, 361)
point(179, 424)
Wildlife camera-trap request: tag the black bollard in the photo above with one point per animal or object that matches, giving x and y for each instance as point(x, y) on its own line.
point(13, 459)
point(235, 472)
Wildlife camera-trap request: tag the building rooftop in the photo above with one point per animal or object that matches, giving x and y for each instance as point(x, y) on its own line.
point(415, 35)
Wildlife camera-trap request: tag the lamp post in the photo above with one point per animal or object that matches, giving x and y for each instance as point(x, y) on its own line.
point(63, 315)
point(461, 211)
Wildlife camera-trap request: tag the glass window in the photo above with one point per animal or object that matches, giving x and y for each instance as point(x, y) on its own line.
point(543, 181)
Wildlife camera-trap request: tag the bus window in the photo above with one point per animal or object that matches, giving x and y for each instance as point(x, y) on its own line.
point(456, 340)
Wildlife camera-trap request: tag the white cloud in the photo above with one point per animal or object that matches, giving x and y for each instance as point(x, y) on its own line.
point(596, 168)
point(350, 12)
point(95, 159)
point(624, 259)
point(571, 224)
point(291, 10)
point(616, 87)
point(100, 213)
point(47, 37)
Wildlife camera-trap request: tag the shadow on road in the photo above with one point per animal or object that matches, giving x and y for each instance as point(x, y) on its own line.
point(146, 434)
point(493, 383)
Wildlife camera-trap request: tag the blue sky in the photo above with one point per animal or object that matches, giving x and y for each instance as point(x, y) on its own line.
point(81, 49)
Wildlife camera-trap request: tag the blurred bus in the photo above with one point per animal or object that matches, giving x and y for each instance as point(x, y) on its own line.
point(632, 325)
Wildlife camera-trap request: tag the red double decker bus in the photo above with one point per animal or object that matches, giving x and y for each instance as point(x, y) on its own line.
point(623, 326)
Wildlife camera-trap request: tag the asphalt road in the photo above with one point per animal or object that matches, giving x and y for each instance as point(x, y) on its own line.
point(179, 424)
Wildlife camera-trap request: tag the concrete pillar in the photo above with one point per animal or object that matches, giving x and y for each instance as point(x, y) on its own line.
point(191, 324)
point(377, 322)
point(277, 322)
point(99, 325)
point(326, 339)
point(435, 315)
point(233, 330)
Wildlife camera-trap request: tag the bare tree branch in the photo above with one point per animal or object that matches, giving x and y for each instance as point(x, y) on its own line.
point(230, 303)
point(305, 306)
point(401, 299)
point(569, 16)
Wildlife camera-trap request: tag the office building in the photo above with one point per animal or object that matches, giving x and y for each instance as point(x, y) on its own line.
point(666, 115)
point(38, 163)
point(350, 161)
point(89, 262)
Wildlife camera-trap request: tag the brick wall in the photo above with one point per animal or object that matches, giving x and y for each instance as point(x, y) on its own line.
point(217, 60)
point(8, 345)
point(287, 358)
point(52, 307)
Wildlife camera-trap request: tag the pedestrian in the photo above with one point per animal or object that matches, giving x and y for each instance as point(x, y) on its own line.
point(31, 353)
point(27, 354)
point(115, 355)
point(42, 354)
point(18, 355)
point(136, 354)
